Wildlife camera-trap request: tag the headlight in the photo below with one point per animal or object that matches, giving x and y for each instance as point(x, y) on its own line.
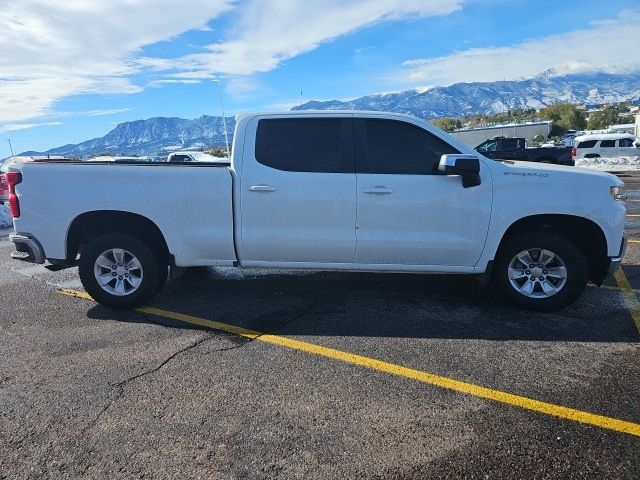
point(616, 194)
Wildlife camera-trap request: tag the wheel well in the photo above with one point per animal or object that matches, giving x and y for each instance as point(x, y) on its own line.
point(87, 226)
point(587, 235)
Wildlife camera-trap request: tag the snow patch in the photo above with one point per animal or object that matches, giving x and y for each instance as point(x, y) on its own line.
point(5, 216)
point(610, 164)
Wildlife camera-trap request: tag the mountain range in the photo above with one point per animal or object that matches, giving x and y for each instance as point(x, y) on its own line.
point(156, 136)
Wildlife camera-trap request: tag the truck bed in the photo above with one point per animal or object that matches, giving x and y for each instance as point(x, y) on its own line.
point(190, 203)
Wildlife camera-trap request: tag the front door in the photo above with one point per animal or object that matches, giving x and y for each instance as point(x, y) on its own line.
point(407, 214)
point(298, 191)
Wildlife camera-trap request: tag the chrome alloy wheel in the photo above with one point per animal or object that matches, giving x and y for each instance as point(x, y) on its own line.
point(537, 273)
point(118, 272)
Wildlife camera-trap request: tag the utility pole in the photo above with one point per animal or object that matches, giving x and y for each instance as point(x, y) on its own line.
point(224, 119)
point(10, 146)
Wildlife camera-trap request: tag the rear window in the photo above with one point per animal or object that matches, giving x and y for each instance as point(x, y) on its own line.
point(607, 143)
point(626, 142)
point(587, 144)
point(301, 145)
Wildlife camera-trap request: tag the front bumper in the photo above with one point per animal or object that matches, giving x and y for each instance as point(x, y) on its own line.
point(28, 249)
point(614, 262)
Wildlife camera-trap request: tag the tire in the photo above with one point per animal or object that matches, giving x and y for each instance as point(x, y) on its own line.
point(508, 269)
point(124, 290)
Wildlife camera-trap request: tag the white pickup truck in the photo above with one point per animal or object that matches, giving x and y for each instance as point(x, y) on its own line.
point(352, 191)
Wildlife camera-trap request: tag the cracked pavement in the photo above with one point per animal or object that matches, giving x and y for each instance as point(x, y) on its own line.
point(87, 392)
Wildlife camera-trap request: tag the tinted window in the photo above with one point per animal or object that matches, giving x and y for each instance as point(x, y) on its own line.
point(607, 143)
point(587, 144)
point(399, 148)
point(626, 142)
point(302, 145)
point(510, 144)
point(180, 158)
point(488, 146)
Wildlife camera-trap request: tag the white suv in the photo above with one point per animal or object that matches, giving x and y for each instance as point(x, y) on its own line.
point(606, 145)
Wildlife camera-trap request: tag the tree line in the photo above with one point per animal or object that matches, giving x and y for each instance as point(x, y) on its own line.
point(565, 117)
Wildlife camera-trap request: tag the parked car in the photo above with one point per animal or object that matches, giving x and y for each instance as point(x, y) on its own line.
point(516, 149)
point(347, 191)
point(195, 156)
point(607, 145)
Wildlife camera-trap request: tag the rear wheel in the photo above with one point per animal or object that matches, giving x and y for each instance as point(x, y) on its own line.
point(541, 271)
point(120, 271)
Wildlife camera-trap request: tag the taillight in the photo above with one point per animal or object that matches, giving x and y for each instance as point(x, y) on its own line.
point(13, 179)
point(573, 152)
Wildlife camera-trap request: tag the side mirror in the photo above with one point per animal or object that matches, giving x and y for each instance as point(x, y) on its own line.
point(467, 166)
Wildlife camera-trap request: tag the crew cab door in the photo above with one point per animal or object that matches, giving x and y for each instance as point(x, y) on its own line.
point(407, 213)
point(297, 190)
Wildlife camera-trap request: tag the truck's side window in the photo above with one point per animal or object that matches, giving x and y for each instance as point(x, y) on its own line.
point(625, 142)
point(488, 146)
point(304, 145)
point(395, 147)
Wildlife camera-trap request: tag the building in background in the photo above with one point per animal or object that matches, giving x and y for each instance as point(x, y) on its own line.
point(475, 136)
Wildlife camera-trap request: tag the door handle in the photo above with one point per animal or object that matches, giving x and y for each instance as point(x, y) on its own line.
point(378, 191)
point(262, 188)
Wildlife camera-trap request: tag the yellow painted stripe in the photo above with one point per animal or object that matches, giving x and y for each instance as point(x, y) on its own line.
point(632, 215)
point(634, 241)
point(400, 371)
point(632, 301)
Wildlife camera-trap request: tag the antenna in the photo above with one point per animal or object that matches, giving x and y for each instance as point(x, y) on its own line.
point(224, 119)
point(300, 95)
point(10, 147)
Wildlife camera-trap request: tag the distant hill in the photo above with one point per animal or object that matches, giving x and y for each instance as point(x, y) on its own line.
point(496, 97)
point(151, 137)
point(157, 135)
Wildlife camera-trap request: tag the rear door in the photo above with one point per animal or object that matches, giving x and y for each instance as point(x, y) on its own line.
point(511, 149)
point(298, 190)
point(608, 148)
point(407, 214)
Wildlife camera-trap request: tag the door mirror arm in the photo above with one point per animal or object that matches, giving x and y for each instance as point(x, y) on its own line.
point(467, 166)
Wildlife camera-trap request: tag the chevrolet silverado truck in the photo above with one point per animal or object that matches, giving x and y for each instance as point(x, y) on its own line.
point(341, 191)
point(516, 149)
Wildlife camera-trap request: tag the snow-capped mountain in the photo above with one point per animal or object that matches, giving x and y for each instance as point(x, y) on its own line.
point(157, 135)
point(152, 137)
point(495, 97)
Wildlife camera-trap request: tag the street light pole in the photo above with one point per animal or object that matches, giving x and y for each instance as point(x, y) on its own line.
point(10, 146)
point(224, 119)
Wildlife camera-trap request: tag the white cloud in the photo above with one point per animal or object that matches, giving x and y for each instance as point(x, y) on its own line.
point(12, 127)
point(269, 32)
point(606, 45)
point(51, 49)
point(98, 113)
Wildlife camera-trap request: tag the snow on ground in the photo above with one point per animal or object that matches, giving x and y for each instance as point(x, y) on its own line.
point(610, 164)
point(5, 217)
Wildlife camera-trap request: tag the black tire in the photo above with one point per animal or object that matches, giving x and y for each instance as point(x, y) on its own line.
point(577, 270)
point(153, 278)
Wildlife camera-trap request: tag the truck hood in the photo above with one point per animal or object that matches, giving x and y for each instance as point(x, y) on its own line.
point(533, 169)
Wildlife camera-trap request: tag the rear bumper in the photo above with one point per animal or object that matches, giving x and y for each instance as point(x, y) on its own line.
point(28, 249)
point(614, 262)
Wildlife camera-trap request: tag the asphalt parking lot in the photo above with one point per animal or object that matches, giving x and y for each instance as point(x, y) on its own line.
point(318, 375)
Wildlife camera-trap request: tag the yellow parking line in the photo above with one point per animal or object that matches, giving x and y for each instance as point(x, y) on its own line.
point(631, 215)
point(400, 371)
point(632, 301)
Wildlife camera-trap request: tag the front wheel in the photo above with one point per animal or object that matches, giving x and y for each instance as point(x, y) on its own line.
point(541, 271)
point(120, 271)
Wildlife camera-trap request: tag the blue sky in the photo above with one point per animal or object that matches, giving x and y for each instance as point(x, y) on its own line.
point(72, 72)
